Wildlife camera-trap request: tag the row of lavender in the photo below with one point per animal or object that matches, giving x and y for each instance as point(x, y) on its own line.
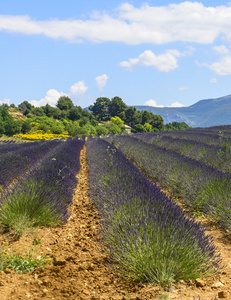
point(203, 188)
point(16, 159)
point(42, 196)
point(212, 136)
point(145, 235)
point(216, 156)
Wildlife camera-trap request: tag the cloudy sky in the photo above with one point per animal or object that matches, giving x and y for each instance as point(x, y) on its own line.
point(160, 53)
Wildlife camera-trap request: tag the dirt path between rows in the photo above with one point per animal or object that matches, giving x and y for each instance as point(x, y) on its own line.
point(80, 272)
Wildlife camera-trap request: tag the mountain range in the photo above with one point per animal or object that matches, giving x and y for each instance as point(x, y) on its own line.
point(204, 113)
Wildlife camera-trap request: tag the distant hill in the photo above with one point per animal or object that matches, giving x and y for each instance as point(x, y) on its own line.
point(204, 113)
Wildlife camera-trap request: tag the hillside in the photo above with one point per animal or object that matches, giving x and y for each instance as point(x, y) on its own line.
point(204, 113)
point(168, 114)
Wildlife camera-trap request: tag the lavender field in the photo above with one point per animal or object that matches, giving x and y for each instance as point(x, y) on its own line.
point(37, 181)
point(146, 236)
point(144, 233)
point(193, 164)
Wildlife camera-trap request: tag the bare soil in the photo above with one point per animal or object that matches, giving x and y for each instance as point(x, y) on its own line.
point(78, 270)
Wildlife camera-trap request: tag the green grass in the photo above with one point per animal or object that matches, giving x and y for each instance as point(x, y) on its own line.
point(24, 208)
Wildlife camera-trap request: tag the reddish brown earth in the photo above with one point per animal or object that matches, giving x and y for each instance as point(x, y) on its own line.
point(80, 271)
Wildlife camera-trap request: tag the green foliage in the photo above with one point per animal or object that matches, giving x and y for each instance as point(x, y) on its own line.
point(100, 109)
point(226, 148)
point(90, 128)
point(75, 113)
point(51, 111)
point(132, 116)
point(113, 128)
point(45, 123)
point(21, 210)
point(22, 264)
point(138, 128)
point(101, 130)
point(57, 128)
point(44, 127)
point(25, 105)
point(37, 241)
point(73, 128)
point(117, 107)
point(83, 121)
point(104, 109)
point(8, 125)
point(94, 122)
point(157, 122)
point(148, 127)
point(116, 120)
point(64, 103)
point(176, 126)
point(38, 111)
point(163, 297)
point(26, 127)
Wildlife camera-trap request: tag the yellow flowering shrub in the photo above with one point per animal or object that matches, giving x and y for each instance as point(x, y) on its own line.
point(41, 135)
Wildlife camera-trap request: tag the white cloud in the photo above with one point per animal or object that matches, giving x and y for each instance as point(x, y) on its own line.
point(186, 22)
point(165, 62)
point(51, 98)
point(176, 104)
point(101, 81)
point(153, 103)
point(5, 101)
point(223, 65)
point(183, 88)
point(78, 89)
point(213, 80)
point(221, 49)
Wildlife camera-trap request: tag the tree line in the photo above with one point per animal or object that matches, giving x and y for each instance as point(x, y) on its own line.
point(103, 117)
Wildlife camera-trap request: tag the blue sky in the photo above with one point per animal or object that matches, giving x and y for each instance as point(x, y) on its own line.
point(159, 53)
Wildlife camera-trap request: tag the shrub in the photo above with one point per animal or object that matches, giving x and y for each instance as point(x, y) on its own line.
point(146, 236)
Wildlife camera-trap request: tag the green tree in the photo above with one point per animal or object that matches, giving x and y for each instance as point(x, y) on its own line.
point(91, 129)
point(117, 107)
point(51, 111)
point(133, 116)
point(75, 113)
point(25, 105)
point(8, 125)
point(101, 130)
point(116, 120)
point(148, 127)
point(138, 128)
point(94, 122)
point(57, 128)
point(44, 127)
point(64, 103)
point(157, 122)
point(113, 128)
point(83, 121)
point(38, 111)
point(26, 127)
point(73, 128)
point(100, 109)
point(2, 127)
point(146, 117)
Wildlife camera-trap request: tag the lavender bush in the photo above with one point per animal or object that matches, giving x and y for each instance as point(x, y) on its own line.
point(203, 188)
point(15, 163)
point(216, 156)
point(43, 197)
point(145, 235)
point(8, 147)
